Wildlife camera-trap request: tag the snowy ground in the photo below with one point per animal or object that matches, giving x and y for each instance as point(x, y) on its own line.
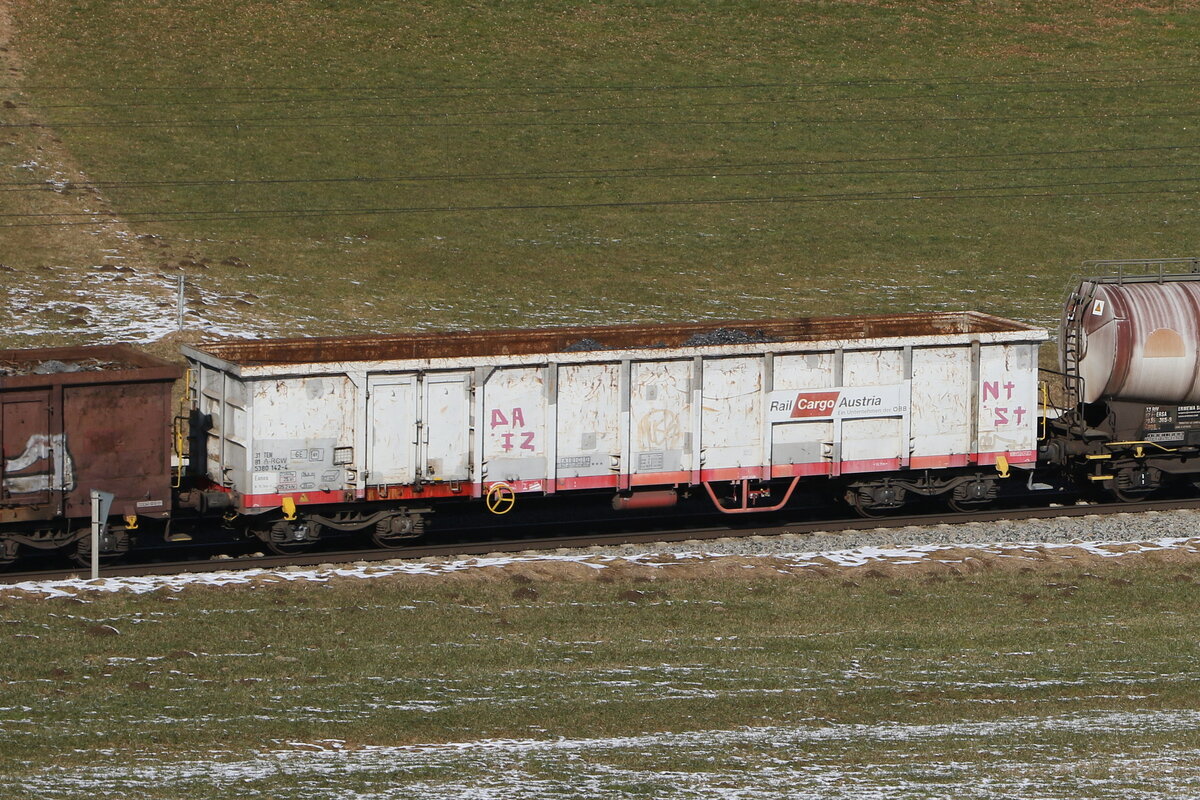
point(684, 563)
point(798, 762)
point(110, 304)
point(962, 724)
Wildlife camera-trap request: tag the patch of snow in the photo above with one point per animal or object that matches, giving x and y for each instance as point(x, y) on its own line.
point(804, 761)
point(106, 307)
point(857, 557)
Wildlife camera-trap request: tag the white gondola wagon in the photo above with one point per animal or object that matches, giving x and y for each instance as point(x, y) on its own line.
point(383, 428)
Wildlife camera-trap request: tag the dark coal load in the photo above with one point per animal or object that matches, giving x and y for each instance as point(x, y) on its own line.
point(584, 346)
point(726, 336)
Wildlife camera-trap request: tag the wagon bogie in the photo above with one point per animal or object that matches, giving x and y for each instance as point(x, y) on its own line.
point(115, 541)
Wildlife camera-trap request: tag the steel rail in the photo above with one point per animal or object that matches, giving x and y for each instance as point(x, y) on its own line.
point(554, 543)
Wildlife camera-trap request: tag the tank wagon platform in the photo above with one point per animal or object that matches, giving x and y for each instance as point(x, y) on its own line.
point(624, 408)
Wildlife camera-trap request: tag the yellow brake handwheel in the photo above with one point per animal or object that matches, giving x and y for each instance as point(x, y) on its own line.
point(500, 498)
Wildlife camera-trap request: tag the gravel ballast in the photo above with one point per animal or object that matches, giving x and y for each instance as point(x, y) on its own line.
point(1133, 527)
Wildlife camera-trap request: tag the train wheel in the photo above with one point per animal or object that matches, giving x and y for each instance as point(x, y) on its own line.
point(114, 544)
point(398, 530)
point(1130, 496)
point(1135, 485)
point(9, 550)
point(287, 548)
point(290, 537)
point(967, 506)
point(389, 541)
point(876, 500)
point(973, 495)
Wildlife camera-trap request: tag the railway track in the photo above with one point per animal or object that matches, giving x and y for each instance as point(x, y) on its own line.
point(558, 542)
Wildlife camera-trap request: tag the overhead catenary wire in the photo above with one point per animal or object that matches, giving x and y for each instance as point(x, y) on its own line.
point(234, 183)
point(394, 120)
point(704, 169)
point(987, 85)
point(543, 88)
point(320, 97)
point(1034, 191)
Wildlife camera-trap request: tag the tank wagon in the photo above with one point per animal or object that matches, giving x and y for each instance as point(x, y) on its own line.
point(299, 437)
point(1130, 356)
point(76, 419)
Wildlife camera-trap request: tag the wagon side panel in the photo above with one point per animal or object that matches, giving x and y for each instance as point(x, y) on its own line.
point(33, 464)
point(1007, 403)
point(874, 443)
point(801, 444)
point(661, 438)
point(514, 419)
point(117, 438)
point(941, 406)
point(731, 431)
point(588, 426)
point(303, 439)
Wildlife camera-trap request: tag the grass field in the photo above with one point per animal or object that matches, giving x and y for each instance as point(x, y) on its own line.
point(325, 167)
point(1056, 685)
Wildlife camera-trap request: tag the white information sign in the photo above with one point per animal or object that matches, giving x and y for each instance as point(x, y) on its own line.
point(847, 402)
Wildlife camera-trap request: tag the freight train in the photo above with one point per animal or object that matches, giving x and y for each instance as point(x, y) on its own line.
point(290, 441)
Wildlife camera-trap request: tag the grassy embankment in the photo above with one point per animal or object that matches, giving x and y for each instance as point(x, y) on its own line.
point(1076, 681)
point(533, 163)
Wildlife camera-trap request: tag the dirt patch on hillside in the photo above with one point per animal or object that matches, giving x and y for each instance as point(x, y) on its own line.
point(71, 264)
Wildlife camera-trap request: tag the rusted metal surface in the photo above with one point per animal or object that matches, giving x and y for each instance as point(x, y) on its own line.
point(592, 338)
point(1139, 339)
point(99, 364)
point(105, 426)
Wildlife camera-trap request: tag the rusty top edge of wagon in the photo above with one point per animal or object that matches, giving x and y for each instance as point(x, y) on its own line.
point(82, 364)
point(655, 336)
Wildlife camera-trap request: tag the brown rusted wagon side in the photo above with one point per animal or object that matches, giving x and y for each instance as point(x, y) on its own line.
point(75, 419)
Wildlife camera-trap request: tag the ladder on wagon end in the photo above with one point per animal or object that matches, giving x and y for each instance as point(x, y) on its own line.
point(1069, 341)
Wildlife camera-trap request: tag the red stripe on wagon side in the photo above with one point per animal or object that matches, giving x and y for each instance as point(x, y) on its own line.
point(430, 491)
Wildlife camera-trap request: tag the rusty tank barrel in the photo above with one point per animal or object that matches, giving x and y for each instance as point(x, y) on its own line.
point(1135, 338)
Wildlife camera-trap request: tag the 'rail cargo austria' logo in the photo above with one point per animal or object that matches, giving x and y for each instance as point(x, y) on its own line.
point(839, 403)
point(814, 404)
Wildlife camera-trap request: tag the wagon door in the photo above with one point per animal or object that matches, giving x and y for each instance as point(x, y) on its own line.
point(731, 430)
point(660, 421)
point(32, 462)
point(514, 419)
point(446, 428)
point(392, 429)
point(873, 437)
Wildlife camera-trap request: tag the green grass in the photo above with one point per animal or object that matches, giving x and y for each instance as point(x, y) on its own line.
point(576, 161)
point(891, 681)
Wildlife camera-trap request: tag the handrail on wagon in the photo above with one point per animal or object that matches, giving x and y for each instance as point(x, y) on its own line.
point(178, 425)
point(745, 507)
point(1151, 269)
